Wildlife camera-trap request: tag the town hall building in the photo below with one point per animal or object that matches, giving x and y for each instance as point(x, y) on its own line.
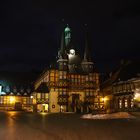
point(71, 84)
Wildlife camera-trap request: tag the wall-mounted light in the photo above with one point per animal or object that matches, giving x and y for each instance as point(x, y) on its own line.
point(31, 97)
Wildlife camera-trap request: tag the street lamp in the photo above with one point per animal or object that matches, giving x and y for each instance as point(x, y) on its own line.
point(31, 97)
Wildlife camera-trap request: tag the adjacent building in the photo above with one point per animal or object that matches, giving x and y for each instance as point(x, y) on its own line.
point(121, 91)
point(15, 98)
point(15, 91)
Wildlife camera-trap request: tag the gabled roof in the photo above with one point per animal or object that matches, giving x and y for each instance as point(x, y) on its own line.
point(43, 88)
point(126, 71)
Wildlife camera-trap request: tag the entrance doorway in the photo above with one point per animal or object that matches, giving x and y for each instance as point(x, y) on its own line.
point(76, 103)
point(18, 106)
point(42, 107)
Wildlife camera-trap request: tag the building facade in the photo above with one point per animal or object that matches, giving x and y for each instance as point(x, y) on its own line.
point(15, 98)
point(71, 84)
point(126, 95)
point(121, 91)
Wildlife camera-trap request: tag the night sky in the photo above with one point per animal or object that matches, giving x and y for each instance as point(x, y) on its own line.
point(30, 31)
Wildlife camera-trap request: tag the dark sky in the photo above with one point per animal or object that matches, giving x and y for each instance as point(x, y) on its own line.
point(30, 31)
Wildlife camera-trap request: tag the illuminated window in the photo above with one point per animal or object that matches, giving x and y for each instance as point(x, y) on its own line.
point(43, 95)
point(87, 93)
point(131, 102)
point(60, 76)
point(64, 76)
point(24, 101)
point(38, 95)
point(64, 92)
point(11, 99)
point(31, 101)
point(52, 74)
point(90, 78)
point(120, 103)
point(51, 78)
point(28, 101)
point(86, 78)
point(1, 99)
point(75, 80)
point(125, 103)
point(47, 96)
point(91, 93)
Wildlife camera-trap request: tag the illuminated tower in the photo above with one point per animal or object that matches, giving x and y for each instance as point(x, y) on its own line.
point(67, 35)
point(62, 56)
point(62, 77)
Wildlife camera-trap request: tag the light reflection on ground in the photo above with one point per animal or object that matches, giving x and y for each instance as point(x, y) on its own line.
point(64, 126)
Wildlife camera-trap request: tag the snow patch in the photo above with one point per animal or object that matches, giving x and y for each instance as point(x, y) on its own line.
point(118, 115)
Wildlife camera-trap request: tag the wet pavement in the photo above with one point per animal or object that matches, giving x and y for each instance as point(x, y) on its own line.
point(31, 126)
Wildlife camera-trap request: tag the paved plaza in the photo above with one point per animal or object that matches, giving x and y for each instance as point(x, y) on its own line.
point(68, 126)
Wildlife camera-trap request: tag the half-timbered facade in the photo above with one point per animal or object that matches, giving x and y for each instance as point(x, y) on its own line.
point(72, 83)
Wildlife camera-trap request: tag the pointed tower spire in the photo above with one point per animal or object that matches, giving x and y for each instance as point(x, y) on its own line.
point(87, 55)
point(62, 51)
point(62, 45)
point(87, 63)
point(67, 35)
point(62, 54)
